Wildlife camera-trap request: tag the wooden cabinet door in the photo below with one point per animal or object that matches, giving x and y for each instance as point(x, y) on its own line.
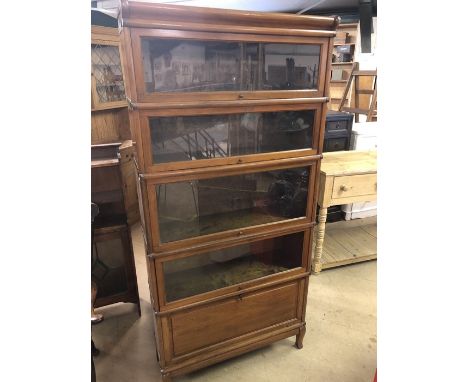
point(127, 169)
point(107, 84)
point(234, 317)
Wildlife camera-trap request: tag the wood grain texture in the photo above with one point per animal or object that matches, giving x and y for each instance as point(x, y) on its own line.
point(354, 185)
point(227, 107)
point(349, 162)
point(345, 177)
point(200, 330)
point(349, 244)
point(127, 170)
point(109, 126)
point(337, 89)
point(142, 95)
point(322, 218)
point(104, 36)
point(232, 318)
point(134, 14)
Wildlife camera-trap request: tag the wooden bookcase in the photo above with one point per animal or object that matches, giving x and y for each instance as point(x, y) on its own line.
point(228, 112)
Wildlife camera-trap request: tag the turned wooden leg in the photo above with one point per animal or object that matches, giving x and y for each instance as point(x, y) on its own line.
point(300, 337)
point(320, 234)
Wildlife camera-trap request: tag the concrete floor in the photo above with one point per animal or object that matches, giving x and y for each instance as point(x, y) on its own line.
point(340, 344)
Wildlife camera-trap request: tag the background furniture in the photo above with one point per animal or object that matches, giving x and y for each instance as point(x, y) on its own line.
point(345, 177)
point(363, 137)
point(109, 114)
point(342, 62)
point(228, 114)
point(338, 128)
point(367, 106)
point(113, 264)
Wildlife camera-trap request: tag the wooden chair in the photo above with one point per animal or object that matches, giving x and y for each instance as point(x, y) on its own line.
point(371, 111)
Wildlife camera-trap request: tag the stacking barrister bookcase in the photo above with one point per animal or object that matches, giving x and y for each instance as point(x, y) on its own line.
point(228, 110)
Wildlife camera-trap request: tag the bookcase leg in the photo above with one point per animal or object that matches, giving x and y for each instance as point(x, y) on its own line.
point(300, 337)
point(317, 263)
point(165, 377)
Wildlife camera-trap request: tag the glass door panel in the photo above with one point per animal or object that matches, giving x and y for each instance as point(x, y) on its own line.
point(213, 270)
point(107, 71)
point(187, 138)
point(200, 207)
point(176, 65)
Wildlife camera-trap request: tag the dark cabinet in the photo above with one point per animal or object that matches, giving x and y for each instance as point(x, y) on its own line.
point(338, 129)
point(112, 261)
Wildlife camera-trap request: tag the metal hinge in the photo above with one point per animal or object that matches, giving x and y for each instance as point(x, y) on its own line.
point(131, 105)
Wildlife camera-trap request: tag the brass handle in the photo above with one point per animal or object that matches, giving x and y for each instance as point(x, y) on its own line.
point(241, 96)
point(344, 188)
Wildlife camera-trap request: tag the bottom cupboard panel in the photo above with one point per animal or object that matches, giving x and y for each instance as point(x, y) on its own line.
point(208, 325)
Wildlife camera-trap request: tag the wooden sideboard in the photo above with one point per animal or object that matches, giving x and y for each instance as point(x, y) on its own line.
point(345, 177)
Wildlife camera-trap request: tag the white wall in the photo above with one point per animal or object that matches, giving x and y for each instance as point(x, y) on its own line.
point(367, 61)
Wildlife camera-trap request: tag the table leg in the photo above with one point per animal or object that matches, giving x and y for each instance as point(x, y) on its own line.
point(322, 218)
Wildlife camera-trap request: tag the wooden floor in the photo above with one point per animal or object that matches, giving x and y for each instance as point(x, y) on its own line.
point(348, 242)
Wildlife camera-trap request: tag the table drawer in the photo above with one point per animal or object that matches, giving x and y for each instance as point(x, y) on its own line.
point(337, 125)
point(336, 144)
point(355, 185)
point(208, 325)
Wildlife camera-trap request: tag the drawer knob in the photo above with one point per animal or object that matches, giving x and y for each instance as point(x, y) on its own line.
point(344, 188)
point(240, 233)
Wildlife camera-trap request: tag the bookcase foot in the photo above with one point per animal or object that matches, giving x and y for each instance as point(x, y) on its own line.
point(300, 337)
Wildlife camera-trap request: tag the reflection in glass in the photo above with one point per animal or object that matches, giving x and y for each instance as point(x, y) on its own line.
point(201, 207)
point(108, 267)
point(105, 61)
point(218, 136)
point(172, 65)
point(218, 269)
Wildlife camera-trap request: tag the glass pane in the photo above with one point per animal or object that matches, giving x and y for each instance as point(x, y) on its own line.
point(201, 207)
point(108, 267)
point(218, 269)
point(105, 61)
point(217, 136)
point(173, 65)
point(291, 66)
